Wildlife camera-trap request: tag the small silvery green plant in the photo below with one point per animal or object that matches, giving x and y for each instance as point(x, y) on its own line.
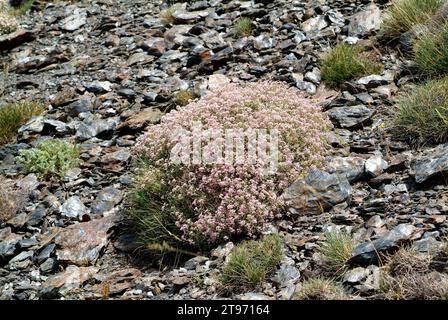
point(51, 158)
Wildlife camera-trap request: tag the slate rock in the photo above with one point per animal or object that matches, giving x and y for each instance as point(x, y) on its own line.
point(431, 163)
point(365, 21)
point(106, 200)
point(367, 252)
point(72, 278)
point(375, 165)
point(351, 168)
point(8, 243)
point(74, 21)
point(319, 191)
point(350, 117)
point(81, 244)
point(74, 208)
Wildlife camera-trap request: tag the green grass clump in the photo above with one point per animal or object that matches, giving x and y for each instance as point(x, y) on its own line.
point(50, 158)
point(14, 115)
point(431, 53)
point(243, 27)
point(346, 62)
point(336, 251)
point(403, 15)
point(320, 289)
point(251, 262)
point(421, 116)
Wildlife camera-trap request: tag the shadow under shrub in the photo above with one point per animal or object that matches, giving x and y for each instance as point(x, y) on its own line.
point(194, 206)
point(421, 116)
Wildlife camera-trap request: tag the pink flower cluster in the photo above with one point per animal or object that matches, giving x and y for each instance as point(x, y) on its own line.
point(228, 200)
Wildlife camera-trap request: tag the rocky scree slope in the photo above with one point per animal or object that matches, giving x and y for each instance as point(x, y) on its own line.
point(108, 69)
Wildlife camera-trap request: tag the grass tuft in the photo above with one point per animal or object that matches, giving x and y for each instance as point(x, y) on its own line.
point(336, 251)
point(431, 52)
point(51, 158)
point(243, 27)
point(251, 262)
point(406, 261)
point(14, 115)
point(421, 116)
point(320, 289)
point(403, 15)
point(345, 62)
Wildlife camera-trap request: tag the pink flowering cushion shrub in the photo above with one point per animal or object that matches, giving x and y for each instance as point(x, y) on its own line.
point(201, 204)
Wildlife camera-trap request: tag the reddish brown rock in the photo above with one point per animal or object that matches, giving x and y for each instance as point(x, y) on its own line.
point(119, 281)
point(72, 278)
point(81, 244)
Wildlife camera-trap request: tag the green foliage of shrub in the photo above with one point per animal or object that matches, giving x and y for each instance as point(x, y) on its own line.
point(336, 250)
point(421, 116)
point(50, 158)
point(197, 205)
point(431, 52)
point(183, 97)
point(345, 62)
point(243, 27)
point(320, 289)
point(14, 115)
point(152, 222)
point(251, 262)
point(23, 8)
point(403, 15)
